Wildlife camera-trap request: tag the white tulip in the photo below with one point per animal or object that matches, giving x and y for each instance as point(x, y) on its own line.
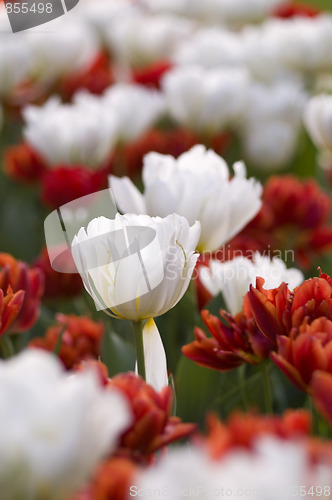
point(141, 39)
point(70, 46)
point(54, 427)
point(272, 124)
point(136, 267)
point(78, 133)
point(305, 43)
point(196, 186)
point(318, 121)
point(206, 101)
point(233, 278)
point(269, 471)
point(135, 108)
point(297, 45)
point(211, 47)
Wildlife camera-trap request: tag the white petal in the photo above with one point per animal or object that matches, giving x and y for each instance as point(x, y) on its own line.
point(155, 357)
point(126, 195)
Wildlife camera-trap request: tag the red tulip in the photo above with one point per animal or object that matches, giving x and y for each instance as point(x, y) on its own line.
point(112, 480)
point(58, 285)
point(95, 79)
point(243, 429)
point(291, 9)
point(152, 74)
point(300, 323)
point(81, 339)
point(238, 342)
point(16, 276)
point(22, 163)
point(321, 389)
point(153, 426)
point(64, 184)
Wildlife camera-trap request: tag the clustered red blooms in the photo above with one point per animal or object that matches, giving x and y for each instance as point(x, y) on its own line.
point(300, 323)
point(242, 429)
point(235, 341)
point(80, 339)
point(57, 285)
point(294, 216)
point(21, 289)
point(292, 9)
point(153, 427)
point(294, 329)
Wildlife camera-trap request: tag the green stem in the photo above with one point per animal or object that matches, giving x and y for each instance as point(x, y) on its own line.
point(6, 347)
point(138, 332)
point(267, 388)
point(242, 385)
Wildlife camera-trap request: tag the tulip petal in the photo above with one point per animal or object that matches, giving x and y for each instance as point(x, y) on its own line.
point(126, 195)
point(155, 357)
point(265, 314)
point(321, 387)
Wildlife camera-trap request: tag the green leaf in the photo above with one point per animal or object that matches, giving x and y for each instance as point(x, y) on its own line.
point(196, 389)
point(117, 354)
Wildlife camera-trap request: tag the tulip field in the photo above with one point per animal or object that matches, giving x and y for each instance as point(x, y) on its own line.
point(165, 249)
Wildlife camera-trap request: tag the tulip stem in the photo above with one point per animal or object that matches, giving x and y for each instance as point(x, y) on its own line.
point(242, 385)
point(138, 332)
point(267, 388)
point(6, 347)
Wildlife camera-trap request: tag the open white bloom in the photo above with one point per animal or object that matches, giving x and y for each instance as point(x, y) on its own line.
point(206, 101)
point(269, 472)
point(69, 46)
point(318, 121)
point(196, 186)
point(54, 427)
point(272, 124)
point(142, 39)
point(77, 133)
point(233, 278)
point(135, 108)
point(211, 47)
point(135, 266)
